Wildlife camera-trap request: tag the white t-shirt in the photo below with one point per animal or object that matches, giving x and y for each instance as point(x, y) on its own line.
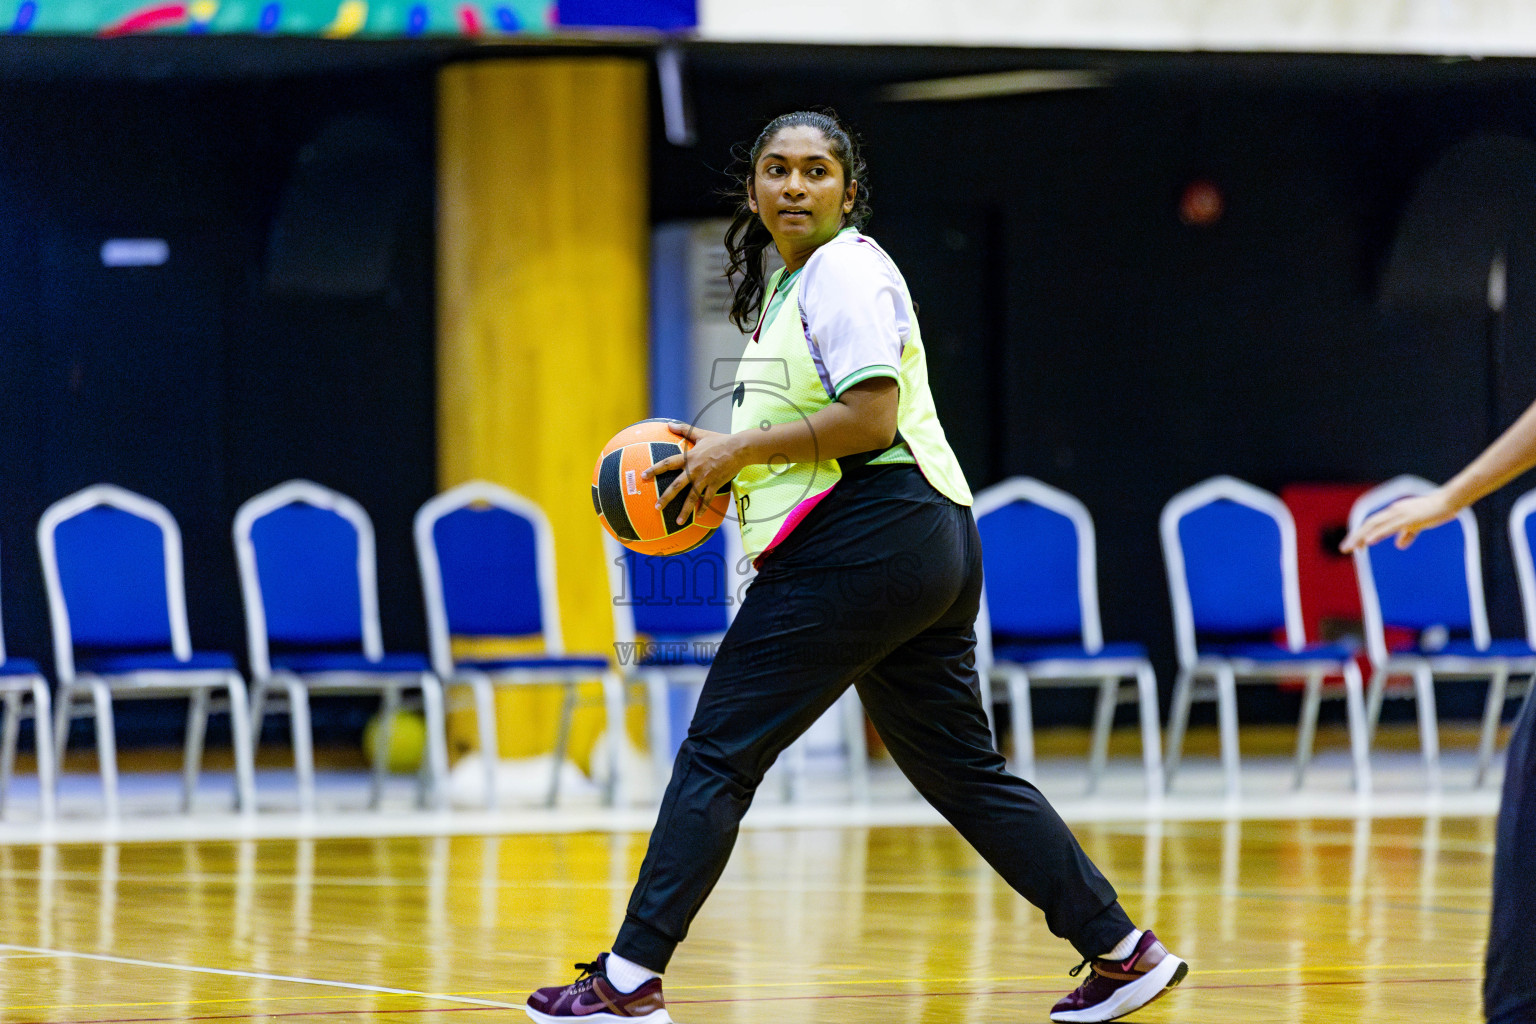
point(854, 312)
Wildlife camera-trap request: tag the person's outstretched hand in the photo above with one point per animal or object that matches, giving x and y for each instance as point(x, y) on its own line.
point(1406, 517)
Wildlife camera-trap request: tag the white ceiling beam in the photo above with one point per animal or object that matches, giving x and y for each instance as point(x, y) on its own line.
point(1446, 27)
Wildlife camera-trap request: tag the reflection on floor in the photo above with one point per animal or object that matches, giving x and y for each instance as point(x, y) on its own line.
point(1304, 921)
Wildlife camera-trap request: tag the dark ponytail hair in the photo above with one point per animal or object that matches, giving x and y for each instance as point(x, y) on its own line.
point(746, 239)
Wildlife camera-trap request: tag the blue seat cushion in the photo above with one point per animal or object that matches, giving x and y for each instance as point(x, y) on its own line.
point(349, 661)
point(1496, 649)
point(155, 661)
point(19, 667)
point(574, 662)
point(1276, 653)
point(1023, 654)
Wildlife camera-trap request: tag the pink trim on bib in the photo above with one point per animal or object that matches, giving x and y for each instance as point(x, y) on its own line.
point(796, 515)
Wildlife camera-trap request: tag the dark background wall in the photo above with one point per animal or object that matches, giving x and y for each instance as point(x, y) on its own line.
point(290, 333)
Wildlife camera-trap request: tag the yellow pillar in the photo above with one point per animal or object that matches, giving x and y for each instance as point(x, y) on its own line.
point(543, 239)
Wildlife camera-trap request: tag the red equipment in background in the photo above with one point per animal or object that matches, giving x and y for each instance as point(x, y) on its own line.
point(1330, 597)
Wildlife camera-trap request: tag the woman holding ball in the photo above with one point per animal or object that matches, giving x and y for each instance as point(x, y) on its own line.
point(859, 518)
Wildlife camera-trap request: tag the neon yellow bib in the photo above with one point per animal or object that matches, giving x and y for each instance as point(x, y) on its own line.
point(777, 382)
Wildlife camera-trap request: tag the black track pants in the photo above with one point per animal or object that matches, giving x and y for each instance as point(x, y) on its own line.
point(1509, 983)
point(878, 587)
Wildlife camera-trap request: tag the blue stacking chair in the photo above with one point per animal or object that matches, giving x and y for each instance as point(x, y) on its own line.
point(1435, 588)
point(112, 563)
point(1040, 620)
point(309, 580)
point(1230, 551)
point(669, 616)
point(21, 678)
point(487, 560)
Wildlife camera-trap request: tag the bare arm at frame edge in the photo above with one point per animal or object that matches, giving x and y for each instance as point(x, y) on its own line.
point(1512, 454)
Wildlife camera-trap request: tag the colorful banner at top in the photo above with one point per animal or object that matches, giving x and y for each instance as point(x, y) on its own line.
point(343, 18)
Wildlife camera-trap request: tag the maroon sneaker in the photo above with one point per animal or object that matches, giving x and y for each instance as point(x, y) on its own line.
point(591, 997)
point(1115, 988)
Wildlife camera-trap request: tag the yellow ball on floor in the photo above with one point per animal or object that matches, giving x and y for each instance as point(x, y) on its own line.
point(407, 740)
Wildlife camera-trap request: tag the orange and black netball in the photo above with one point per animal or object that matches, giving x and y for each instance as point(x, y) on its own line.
point(626, 502)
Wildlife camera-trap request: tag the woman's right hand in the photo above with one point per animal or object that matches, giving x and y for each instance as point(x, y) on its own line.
point(706, 468)
point(1407, 518)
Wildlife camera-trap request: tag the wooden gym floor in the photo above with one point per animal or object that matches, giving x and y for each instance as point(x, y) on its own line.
point(1294, 921)
point(1305, 920)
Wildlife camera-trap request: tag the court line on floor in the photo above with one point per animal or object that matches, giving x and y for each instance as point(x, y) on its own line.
point(479, 1004)
point(848, 982)
point(785, 984)
point(56, 1007)
point(373, 1011)
point(258, 976)
point(357, 1011)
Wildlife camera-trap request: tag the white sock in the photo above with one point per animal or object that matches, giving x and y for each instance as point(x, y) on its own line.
point(1125, 948)
point(626, 975)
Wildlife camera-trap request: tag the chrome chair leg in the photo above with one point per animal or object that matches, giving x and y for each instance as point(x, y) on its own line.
point(1103, 722)
point(1492, 712)
point(659, 728)
point(1429, 722)
point(106, 744)
point(9, 731)
point(1178, 721)
point(1151, 732)
point(47, 763)
point(615, 792)
point(483, 693)
point(1306, 732)
point(383, 739)
point(302, 735)
point(244, 743)
point(562, 740)
point(434, 791)
point(858, 746)
point(1359, 732)
point(1226, 716)
point(1023, 723)
point(192, 748)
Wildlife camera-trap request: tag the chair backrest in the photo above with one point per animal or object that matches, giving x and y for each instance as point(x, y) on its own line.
point(1437, 581)
point(1230, 552)
point(112, 565)
point(487, 559)
point(1520, 539)
point(691, 595)
point(1039, 552)
point(307, 572)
